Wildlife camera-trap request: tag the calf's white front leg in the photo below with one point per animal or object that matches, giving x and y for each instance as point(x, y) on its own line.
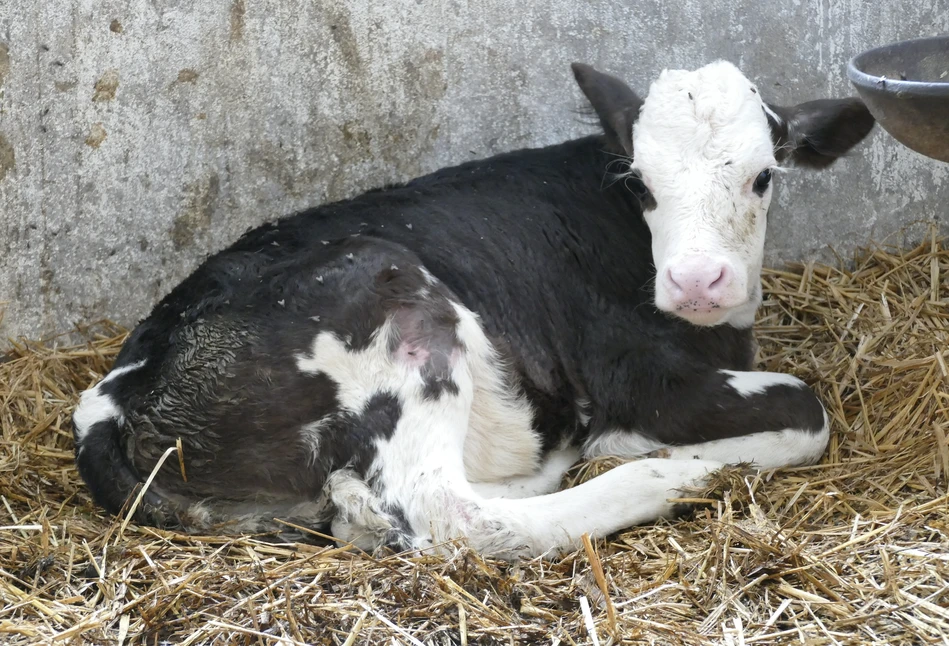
point(630, 494)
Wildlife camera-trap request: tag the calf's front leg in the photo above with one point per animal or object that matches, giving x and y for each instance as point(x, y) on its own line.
point(766, 419)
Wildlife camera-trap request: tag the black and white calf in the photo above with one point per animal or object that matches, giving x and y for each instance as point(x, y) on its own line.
point(424, 362)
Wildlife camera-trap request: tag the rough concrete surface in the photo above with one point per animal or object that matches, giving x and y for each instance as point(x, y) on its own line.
point(137, 136)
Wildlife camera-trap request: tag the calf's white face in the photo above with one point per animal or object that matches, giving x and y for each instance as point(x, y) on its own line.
point(704, 149)
point(705, 145)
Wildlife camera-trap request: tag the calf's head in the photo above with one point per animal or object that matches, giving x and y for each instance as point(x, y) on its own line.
point(706, 146)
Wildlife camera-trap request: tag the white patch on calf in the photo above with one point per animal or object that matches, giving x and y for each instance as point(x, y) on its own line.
point(627, 444)
point(310, 436)
point(699, 143)
point(768, 450)
point(359, 375)
point(501, 442)
point(582, 406)
point(95, 406)
point(753, 383)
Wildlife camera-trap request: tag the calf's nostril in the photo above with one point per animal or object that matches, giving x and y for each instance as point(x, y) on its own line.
point(719, 281)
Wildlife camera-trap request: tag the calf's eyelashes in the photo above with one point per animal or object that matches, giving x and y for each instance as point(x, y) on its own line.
point(637, 185)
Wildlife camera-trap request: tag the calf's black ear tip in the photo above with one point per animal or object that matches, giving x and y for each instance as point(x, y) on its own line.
point(855, 124)
point(581, 71)
point(863, 119)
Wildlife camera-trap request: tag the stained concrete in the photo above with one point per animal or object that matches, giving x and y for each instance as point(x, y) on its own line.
point(137, 136)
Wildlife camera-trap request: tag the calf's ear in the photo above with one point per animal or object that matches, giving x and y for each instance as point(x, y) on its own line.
point(615, 104)
point(815, 134)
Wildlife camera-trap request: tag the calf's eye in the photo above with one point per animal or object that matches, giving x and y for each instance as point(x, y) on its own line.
point(640, 190)
point(762, 181)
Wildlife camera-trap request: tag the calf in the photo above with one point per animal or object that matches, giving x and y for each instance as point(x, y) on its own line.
point(425, 361)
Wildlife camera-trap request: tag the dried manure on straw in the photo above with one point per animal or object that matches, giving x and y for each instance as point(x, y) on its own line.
point(852, 551)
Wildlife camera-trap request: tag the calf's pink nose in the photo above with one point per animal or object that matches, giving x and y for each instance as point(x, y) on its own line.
point(698, 279)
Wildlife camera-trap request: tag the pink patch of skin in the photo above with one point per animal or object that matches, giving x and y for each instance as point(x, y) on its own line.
point(412, 355)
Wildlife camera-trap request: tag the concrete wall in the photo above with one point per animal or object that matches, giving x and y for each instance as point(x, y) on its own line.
point(136, 136)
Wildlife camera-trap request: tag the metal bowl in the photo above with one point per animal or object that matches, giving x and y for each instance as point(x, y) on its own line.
point(906, 88)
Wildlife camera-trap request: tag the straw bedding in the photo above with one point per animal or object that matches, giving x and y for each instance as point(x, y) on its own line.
point(853, 551)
